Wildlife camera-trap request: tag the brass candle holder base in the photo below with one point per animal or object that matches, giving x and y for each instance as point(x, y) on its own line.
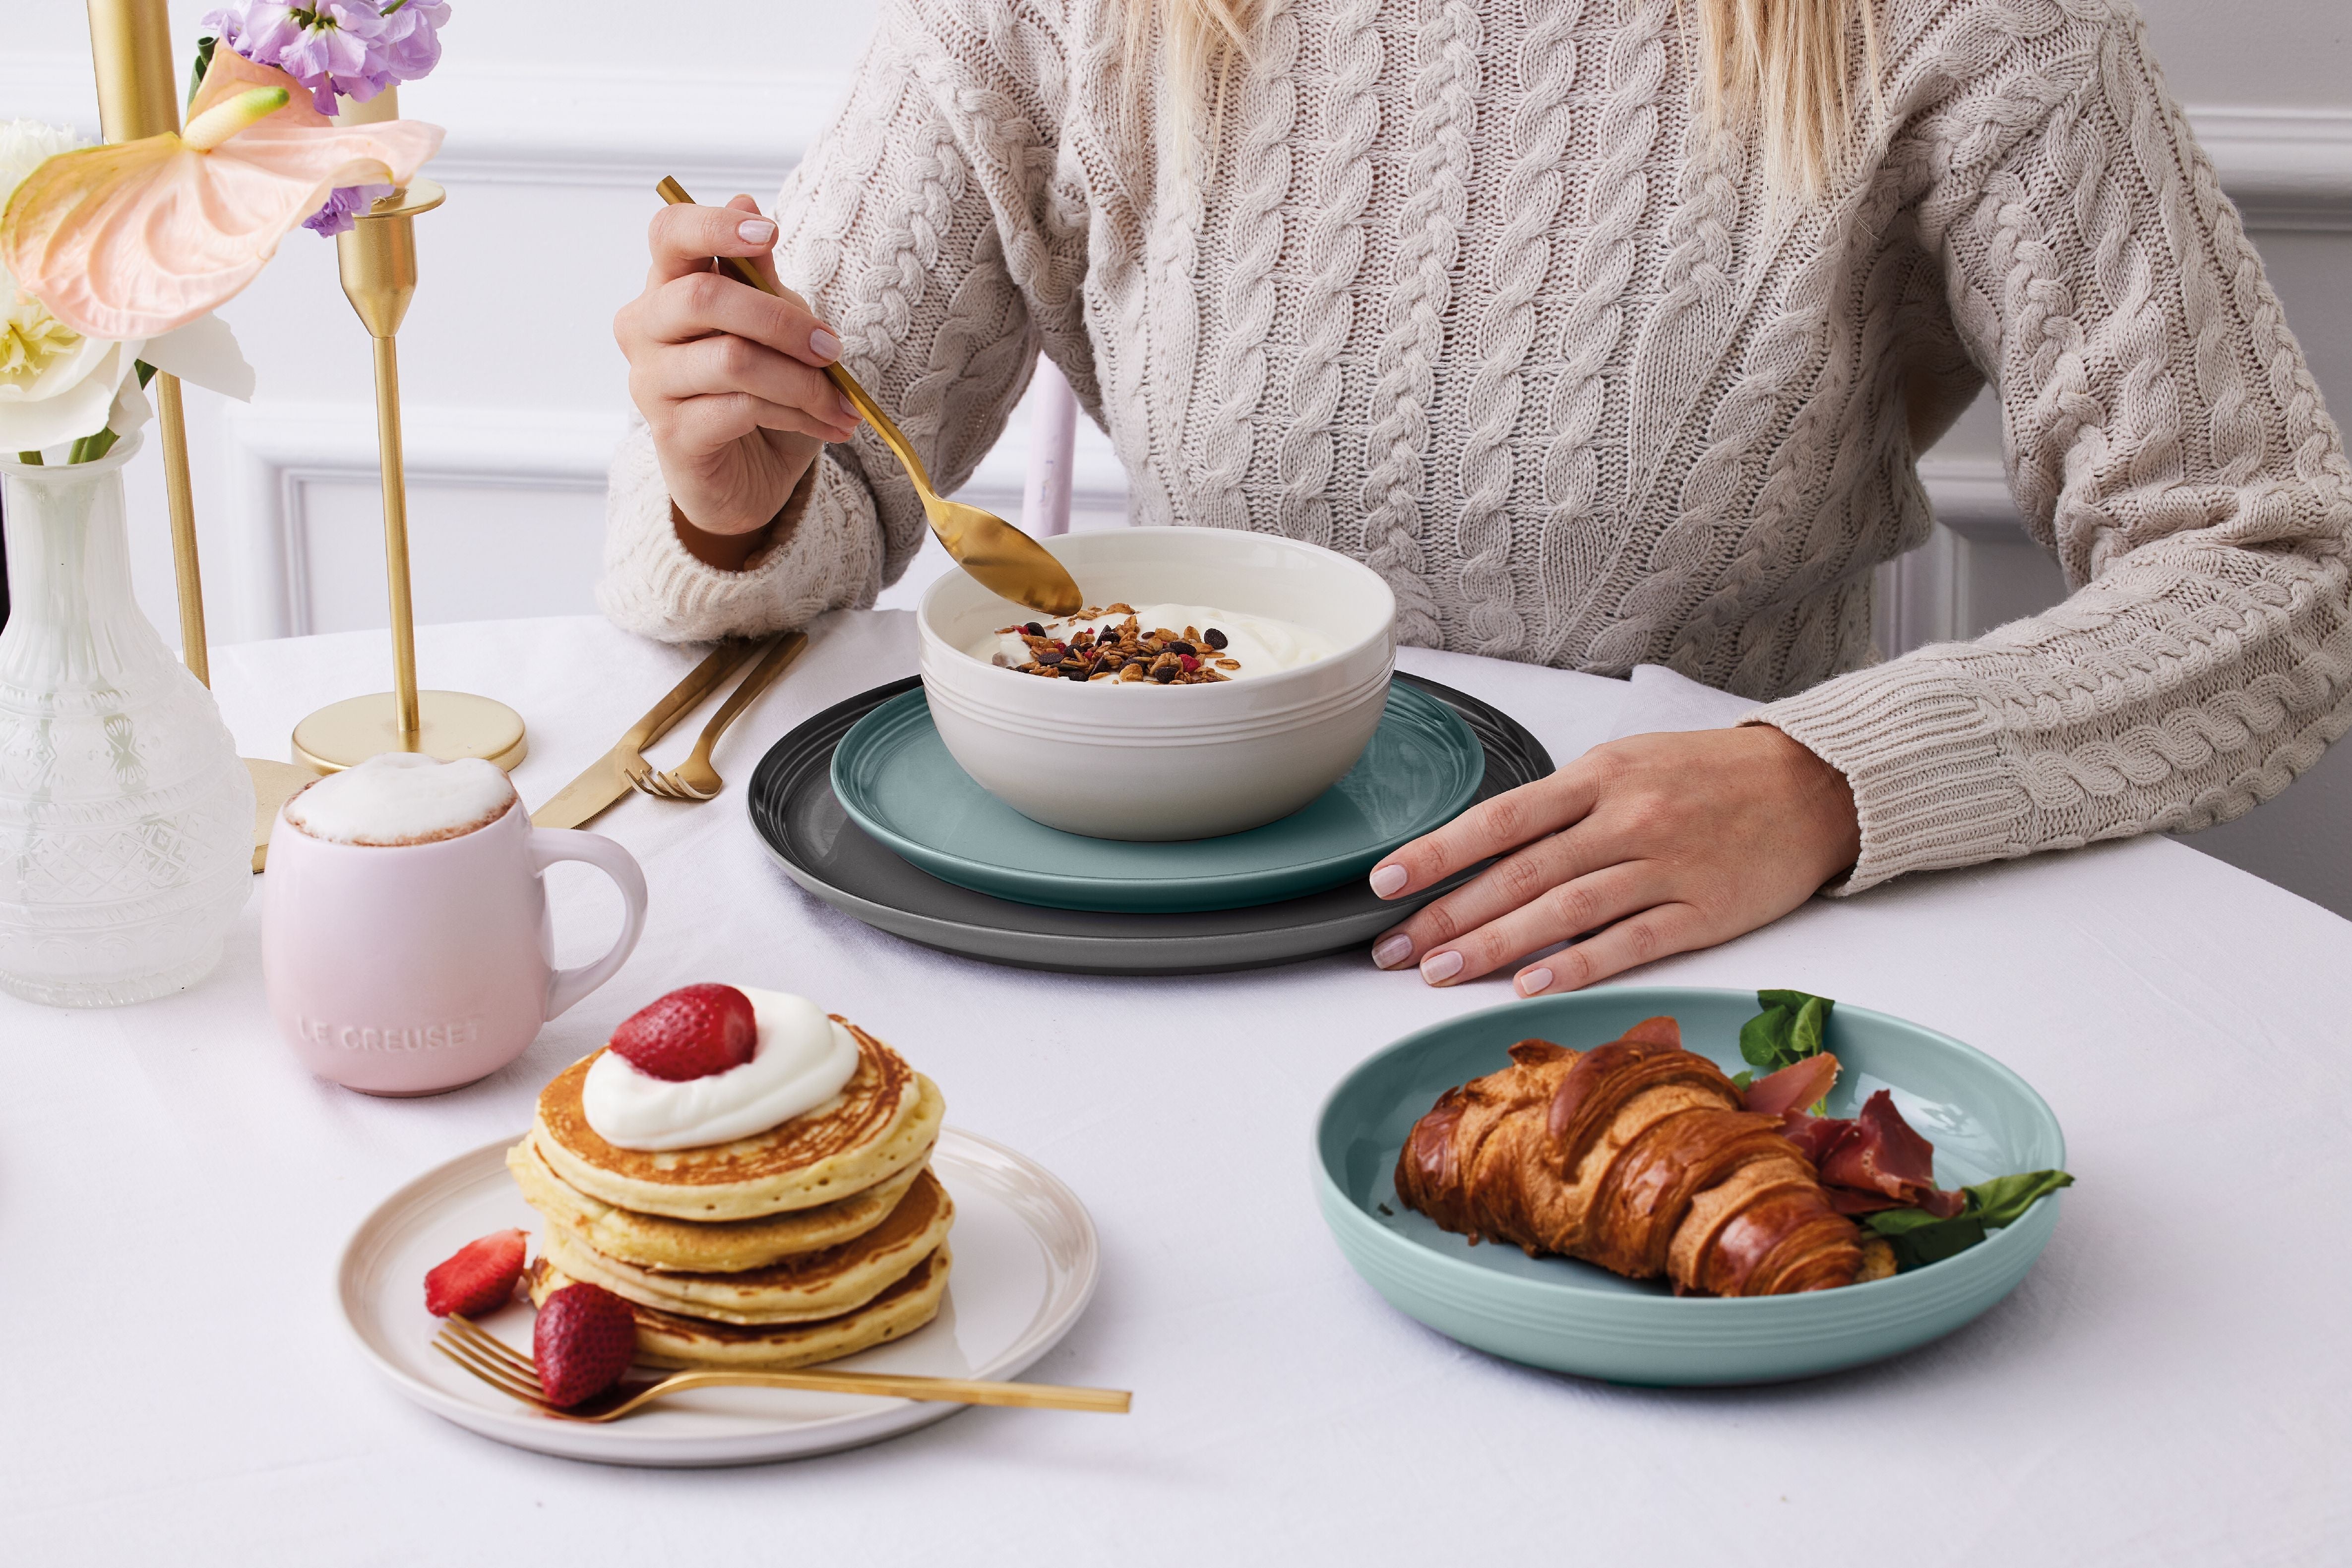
point(452, 725)
point(273, 784)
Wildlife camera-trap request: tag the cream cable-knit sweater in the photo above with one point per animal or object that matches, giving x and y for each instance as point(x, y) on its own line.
point(1470, 292)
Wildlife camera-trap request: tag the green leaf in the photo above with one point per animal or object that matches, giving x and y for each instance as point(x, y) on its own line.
point(1789, 1029)
point(1764, 1037)
point(1805, 1033)
point(1740, 1080)
point(146, 373)
point(1918, 1245)
point(2004, 1199)
point(204, 63)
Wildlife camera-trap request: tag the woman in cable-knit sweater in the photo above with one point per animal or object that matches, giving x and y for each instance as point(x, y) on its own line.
point(1608, 332)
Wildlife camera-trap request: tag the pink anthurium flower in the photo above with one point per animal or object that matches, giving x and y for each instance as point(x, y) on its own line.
point(133, 239)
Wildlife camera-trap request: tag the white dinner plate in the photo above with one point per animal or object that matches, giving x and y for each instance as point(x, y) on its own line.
point(1026, 1260)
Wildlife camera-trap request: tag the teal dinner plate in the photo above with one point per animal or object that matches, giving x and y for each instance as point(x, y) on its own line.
point(896, 779)
point(1554, 1312)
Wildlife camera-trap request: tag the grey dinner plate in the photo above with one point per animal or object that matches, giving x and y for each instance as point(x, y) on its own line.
point(805, 828)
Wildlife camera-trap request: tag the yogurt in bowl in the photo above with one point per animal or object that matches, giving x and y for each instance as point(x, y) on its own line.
point(1155, 646)
point(1205, 756)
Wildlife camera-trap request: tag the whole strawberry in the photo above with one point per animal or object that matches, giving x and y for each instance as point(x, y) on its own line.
point(479, 1278)
point(583, 1342)
point(694, 1031)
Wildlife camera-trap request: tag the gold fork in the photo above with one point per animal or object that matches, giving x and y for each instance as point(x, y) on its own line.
point(512, 1373)
point(695, 779)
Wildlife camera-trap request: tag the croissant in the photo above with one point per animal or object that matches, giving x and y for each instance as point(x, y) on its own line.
point(1635, 1155)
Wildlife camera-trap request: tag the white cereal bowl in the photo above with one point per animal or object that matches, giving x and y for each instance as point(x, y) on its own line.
point(1111, 762)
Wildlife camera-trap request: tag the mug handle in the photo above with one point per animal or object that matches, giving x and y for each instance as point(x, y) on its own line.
point(549, 845)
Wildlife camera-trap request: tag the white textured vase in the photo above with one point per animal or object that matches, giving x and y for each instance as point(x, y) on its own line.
point(126, 818)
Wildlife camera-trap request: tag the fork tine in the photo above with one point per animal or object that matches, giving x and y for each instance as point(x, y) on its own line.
point(510, 1388)
point(482, 1339)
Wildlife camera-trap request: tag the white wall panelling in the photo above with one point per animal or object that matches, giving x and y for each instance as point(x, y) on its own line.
point(515, 391)
point(307, 564)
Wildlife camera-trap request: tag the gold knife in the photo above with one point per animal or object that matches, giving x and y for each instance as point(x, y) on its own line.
point(606, 780)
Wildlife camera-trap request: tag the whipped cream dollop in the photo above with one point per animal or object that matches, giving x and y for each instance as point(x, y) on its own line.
point(800, 1061)
point(1261, 645)
point(402, 797)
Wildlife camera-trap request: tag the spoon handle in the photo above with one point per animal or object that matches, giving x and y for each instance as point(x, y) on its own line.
point(743, 271)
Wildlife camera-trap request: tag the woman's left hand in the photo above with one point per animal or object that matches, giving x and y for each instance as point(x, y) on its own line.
point(1646, 846)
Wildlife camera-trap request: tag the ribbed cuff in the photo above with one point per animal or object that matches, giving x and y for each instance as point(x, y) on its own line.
point(827, 558)
point(1930, 785)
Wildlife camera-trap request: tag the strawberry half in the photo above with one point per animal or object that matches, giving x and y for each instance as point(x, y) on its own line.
point(583, 1340)
point(693, 1032)
point(480, 1277)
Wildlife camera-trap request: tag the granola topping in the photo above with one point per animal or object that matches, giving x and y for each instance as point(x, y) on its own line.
point(1159, 645)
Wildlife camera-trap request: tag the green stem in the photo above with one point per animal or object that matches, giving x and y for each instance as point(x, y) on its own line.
point(29, 459)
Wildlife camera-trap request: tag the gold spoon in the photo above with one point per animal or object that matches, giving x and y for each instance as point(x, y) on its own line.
point(1002, 557)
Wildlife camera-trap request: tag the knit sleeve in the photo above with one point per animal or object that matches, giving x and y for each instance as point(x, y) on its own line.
point(2165, 441)
point(893, 235)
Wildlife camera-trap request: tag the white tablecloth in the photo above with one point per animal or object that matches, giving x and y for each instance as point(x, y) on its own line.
point(2173, 1385)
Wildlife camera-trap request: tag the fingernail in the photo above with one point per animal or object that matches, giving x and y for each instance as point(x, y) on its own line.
point(1534, 982)
point(1388, 881)
point(849, 413)
point(1441, 967)
point(824, 344)
point(1391, 949)
point(756, 231)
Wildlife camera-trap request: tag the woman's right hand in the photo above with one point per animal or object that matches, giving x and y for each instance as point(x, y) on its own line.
point(730, 380)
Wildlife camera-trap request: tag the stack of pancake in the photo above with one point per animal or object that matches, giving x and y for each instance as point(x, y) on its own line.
point(820, 1236)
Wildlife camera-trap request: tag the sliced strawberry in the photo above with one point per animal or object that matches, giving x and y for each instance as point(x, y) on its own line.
point(583, 1342)
point(694, 1031)
point(479, 1278)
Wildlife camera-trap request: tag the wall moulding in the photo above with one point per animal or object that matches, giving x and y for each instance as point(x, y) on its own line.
point(277, 451)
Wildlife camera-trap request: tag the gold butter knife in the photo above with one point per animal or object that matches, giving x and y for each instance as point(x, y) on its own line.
point(606, 780)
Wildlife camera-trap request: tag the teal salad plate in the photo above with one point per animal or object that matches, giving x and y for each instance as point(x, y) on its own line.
point(1555, 1312)
point(893, 776)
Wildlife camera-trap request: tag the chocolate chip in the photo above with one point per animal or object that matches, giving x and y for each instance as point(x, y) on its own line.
point(1075, 672)
point(1033, 629)
point(1180, 646)
point(1213, 638)
point(1164, 674)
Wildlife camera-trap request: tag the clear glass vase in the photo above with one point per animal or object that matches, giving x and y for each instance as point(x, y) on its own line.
point(126, 818)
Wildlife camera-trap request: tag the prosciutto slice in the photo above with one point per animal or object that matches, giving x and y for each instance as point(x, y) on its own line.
point(1873, 1161)
point(1794, 1087)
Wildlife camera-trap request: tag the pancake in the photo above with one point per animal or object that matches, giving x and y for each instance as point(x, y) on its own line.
point(885, 1119)
point(669, 1339)
point(720, 1247)
point(798, 1290)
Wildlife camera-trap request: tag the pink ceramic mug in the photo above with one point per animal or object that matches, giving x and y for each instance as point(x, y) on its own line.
point(413, 968)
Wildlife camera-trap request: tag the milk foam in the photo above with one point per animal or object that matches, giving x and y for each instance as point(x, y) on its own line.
point(402, 797)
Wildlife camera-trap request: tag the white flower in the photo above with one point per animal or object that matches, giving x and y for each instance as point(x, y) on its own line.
point(56, 385)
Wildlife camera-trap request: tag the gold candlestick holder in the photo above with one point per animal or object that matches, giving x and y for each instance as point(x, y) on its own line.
point(131, 51)
point(378, 257)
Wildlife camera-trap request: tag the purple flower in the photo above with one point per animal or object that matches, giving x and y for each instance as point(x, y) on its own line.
point(344, 206)
point(412, 36)
point(337, 47)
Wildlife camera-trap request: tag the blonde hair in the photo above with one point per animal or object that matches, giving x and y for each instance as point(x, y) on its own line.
point(1774, 68)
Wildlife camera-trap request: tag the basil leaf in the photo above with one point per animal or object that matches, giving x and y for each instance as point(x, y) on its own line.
point(1763, 1037)
point(1740, 1080)
point(1805, 1032)
point(2004, 1199)
point(1899, 1221)
point(1789, 1029)
point(1920, 1245)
